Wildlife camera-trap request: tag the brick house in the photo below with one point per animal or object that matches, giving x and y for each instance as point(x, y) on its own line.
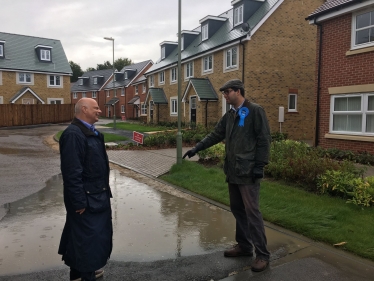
point(91, 85)
point(33, 70)
point(344, 83)
point(128, 92)
point(267, 44)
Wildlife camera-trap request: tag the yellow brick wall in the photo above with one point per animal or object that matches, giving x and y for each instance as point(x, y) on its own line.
point(9, 87)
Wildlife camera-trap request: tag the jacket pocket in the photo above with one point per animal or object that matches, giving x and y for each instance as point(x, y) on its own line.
point(244, 164)
point(97, 197)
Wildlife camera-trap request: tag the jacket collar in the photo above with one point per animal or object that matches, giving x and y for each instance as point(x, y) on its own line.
point(82, 127)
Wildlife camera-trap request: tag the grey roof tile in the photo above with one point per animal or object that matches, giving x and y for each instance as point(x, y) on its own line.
point(331, 5)
point(157, 95)
point(223, 36)
point(20, 54)
point(89, 85)
point(203, 88)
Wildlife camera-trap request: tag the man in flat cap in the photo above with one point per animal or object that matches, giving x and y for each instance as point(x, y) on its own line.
point(246, 133)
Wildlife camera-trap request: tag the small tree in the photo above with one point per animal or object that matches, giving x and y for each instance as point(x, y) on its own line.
point(77, 71)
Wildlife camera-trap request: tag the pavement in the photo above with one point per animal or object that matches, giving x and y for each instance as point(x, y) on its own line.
point(293, 257)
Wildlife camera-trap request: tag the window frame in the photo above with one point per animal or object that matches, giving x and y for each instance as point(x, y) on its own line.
point(75, 95)
point(55, 85)
point(136, 90)
point(95, 80)
point(50, 100)
point(161, 78)
point(80, 82)
point(289, 102)
point(173, 77)
point(163, 52)
point(24, 74)
point(354, 30)
point(173, 106)
point(364, 112)
point(45, 55)
point(203, 59)
point(231, 66)
point(204, 32)
point(107, 93)
point(187, 70)
point(122, 108)
point(84, 94)
point(94, 94)
point(144, 85)
point(143, 109)
point(151, 81)
point(238, 15)
point(122, 92)
point(1, 50)
point(182, 42)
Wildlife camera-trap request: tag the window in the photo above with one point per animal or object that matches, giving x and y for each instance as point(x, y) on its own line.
point(352, 114)
point(182, 43)
point(163, 52)
point(55, 101)
point(238, 15)
point(151, 81)
point(136, 89)
point(122, 92)
point(1, 78)
point(126, 75)
point(161, 78)
point(207, 64)
point(143, 109)
point(80, 83)
point(83, 94)
point(95, 80)
point(107, 93)
point(292, 103)
point(115, 92)
point(232, 58)
point(45, 55)
point(122, 109)
point(55, 80)
point(94, 94)
point(204, 32)
point(75, 95)
point(363, 28)
point(144, 88)
point(28, 101)
point(173, 74)
point(173, 106)
point(1, 50)
point(24, 77)
point(189, 69)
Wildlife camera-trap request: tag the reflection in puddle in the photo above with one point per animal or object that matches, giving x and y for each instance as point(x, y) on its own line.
point(148, 225)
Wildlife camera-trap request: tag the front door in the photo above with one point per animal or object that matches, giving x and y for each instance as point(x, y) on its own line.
point(109, 113)
point(193, 110)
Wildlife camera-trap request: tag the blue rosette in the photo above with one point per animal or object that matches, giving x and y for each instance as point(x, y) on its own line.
point(243, 112)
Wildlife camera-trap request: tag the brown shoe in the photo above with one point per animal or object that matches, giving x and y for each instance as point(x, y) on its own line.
point(236, 251)
point(259, 265)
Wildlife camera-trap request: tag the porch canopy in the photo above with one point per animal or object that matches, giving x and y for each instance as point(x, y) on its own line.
point(157, 95)
point(203, 89)
point(112, 102)
point(134, 100)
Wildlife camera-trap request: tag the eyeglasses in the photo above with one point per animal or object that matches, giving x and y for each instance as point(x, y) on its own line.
point(227, 92)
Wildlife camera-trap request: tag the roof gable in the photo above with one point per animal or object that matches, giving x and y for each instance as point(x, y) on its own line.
point(203, 88)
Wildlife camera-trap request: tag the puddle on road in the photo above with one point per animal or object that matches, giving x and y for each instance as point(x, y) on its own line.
point(149, 224)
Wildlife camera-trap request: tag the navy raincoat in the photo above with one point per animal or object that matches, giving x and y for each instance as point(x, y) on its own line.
point(86, 241)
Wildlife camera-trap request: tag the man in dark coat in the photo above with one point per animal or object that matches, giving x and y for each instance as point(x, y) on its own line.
point(86, 241)
point(246, 132)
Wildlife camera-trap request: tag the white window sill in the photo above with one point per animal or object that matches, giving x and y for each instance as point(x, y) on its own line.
point(207, 72)
point(349, 137)
point(359, 50)
point(233, 68)
point(173, 82)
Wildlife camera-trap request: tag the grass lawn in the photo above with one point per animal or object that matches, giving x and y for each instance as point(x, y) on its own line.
point(136, 127)
point(321, 218)
point(107, 137)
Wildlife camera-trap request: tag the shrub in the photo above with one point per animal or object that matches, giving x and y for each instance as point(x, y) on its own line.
point(278, 136)
point(214, 152)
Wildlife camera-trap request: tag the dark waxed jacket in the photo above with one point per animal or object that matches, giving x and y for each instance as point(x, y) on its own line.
point(245, 146)
point(86, 241)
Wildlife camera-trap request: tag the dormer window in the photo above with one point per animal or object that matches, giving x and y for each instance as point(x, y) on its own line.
point(162, 52)
point(204, 32)
point(80, 83)
point(44, 53)
point(2, 49)
point(95, 80)
point(182, 43)
point(238, 15)
point(126, 75)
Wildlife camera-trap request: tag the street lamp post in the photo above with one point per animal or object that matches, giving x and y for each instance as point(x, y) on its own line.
point(114, 90)
point(179, 134)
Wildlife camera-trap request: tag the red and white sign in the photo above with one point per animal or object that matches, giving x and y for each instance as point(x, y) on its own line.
point(137, 137)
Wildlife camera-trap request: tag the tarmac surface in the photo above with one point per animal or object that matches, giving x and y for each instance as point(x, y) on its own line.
point(293, 257)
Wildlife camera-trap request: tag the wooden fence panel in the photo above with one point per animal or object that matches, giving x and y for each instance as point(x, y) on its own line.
point(34, 114)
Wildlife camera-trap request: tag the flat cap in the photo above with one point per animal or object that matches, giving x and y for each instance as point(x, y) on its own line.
point(236, 83)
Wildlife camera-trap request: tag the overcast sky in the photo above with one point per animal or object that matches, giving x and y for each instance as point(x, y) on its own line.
point(138, 27)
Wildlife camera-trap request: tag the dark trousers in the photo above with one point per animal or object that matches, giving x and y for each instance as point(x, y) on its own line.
point(85, 276)
point(250, 231)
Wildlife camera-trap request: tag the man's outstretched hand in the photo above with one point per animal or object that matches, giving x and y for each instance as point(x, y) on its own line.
point(192, 152)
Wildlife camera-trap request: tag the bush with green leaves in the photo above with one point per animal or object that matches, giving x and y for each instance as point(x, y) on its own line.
point(214, 152)
point(297, 162)
point(355, 189)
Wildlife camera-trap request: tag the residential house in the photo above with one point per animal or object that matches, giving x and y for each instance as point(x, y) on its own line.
point(91, 85)
point(344, 77)
point(33, 70)
point(127, 93)
point(265, 43)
